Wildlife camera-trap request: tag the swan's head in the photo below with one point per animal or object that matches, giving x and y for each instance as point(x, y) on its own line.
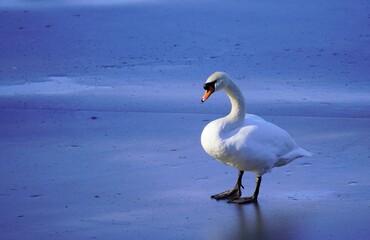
point(214, 83)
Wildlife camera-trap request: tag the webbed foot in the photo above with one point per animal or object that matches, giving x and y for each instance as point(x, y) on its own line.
point(244, 200)
point(230, 194)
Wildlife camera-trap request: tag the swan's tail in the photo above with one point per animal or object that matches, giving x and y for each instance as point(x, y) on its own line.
point(304, 153)
point(297, 153)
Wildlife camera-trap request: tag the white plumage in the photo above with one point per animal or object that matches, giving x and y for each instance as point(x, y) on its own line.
point(245, 141)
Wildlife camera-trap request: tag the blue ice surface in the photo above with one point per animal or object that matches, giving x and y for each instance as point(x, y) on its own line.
point(305, 56)
point(101, 117)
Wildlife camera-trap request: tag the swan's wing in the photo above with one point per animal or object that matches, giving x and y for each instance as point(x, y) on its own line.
point(261, 138)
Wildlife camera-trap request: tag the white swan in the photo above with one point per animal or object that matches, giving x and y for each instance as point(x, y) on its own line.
point(245, 141)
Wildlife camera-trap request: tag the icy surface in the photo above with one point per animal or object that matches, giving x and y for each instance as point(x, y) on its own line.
point(100, 117)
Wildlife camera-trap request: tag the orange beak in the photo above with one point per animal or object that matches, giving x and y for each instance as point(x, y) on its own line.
point(207, 94)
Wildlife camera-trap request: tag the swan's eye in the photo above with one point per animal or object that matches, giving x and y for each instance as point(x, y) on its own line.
point(208, 86)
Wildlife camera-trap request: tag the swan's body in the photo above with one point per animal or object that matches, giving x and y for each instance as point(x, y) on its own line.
point(255, 146)
point(245, 141)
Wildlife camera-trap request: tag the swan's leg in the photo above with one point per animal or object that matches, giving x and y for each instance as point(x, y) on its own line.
point(233, 193)
point(251, 199)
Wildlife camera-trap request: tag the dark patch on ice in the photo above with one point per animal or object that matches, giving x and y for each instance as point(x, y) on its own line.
point(35, 195)
point(201, 178)
point(292, 198)
point(109, 66)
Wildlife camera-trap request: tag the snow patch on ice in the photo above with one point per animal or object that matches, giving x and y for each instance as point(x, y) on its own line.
point(54, 86)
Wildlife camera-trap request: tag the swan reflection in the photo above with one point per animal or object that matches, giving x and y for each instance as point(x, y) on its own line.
point(251, 223)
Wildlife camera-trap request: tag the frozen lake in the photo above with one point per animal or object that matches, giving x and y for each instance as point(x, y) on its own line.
point(101, 118)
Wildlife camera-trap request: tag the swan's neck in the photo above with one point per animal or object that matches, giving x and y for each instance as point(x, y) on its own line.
point(216, 132)
point(238, 108)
